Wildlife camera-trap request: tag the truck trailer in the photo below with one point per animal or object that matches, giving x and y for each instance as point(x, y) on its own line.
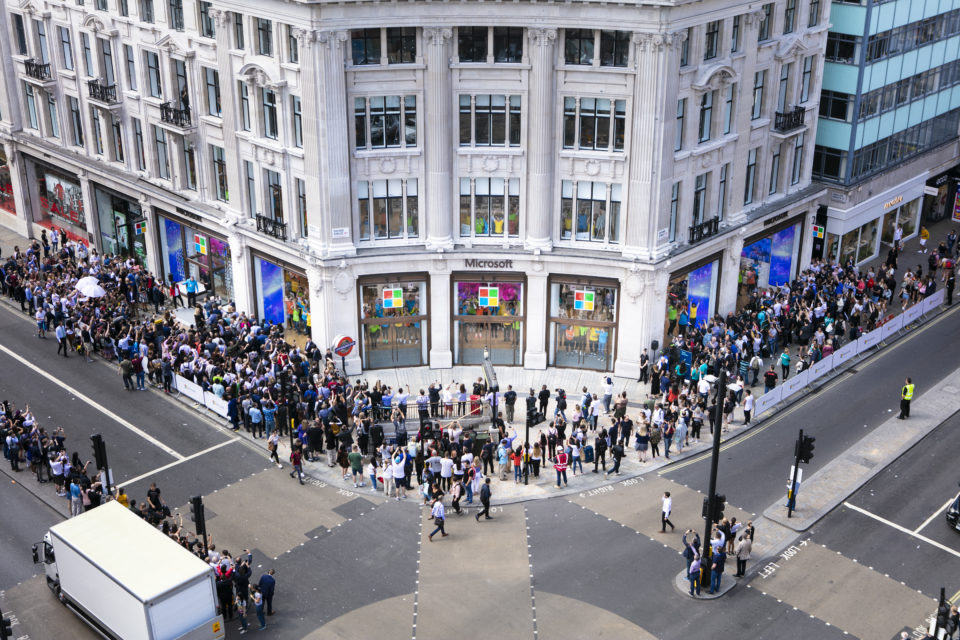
point(127, 580)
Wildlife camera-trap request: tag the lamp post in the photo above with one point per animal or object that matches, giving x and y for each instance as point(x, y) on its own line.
point(714, 463)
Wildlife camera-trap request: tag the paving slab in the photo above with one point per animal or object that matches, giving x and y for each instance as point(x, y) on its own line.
point(558, 616)
point(244, 519)
point(465, 576)
point(841, 591)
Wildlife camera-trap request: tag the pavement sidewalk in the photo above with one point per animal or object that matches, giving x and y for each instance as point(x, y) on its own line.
point(845, 474)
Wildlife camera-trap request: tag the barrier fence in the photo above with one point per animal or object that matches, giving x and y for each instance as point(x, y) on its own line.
point(789, 386)
point(866, 342)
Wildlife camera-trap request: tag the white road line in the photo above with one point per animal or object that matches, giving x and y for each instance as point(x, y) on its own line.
point(175, 463)
point(904, 529)
point(93, 403)
point(934, 515)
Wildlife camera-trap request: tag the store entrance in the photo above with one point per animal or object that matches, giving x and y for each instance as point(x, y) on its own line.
point(398, 344)
point(582, 346)
point(500, 338)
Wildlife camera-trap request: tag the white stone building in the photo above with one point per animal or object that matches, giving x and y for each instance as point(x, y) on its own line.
point(430, 179)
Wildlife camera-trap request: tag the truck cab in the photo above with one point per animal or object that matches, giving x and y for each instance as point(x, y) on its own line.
point(43, 553)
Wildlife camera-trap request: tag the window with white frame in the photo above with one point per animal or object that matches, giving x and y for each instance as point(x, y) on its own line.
point(244, 92)
point(42, 41)
point(759, 77)
point(251, 178)
point(212, 81)
point(160, 149)
point(387, 209)
point(293, 46)
point(490, 120)
point(700, 197)
point(153, 75)
point(301, 206)
point(87, 54)
point(76, 122)
point(264, 36)
point(728, 108)
point(66, 47)
point(219, 166)
point(274, 196)
point(21, 34)
point(297, 111)
point(735, 35)
point(175, 14)
point(797, 159)
point(269, 104)
point(489, 207)
point(31, 99)
point(52, 114)
point(208, 28)
point(722, 191)
point(597, 124)
point(678, 132)
point(805, 79)
point(239, 36)
point(138, 144)
point(106, 60)
point(775, 170)
point(146, 11)
point(590, 211)
point(117, 140)
point(189, 166)
point(706, 116)
point(784, 86)
point(131, 67)
point(382, 122)
point(674, 210)
point(750, 181)
point(711, 41)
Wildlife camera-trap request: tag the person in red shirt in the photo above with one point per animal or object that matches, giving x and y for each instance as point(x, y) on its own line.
point(296, 461)
point(517, 457)
point(561, 467)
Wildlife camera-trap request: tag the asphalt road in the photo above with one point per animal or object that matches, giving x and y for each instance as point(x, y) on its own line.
point(24, 521)
point(754, 467)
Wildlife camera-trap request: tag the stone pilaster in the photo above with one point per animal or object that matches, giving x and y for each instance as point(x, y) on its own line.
point(541, 151)
point(309, 96)
point(334, 144)
point(651, 141)
point(438, 140)
point(242, 271)
point(228, 98)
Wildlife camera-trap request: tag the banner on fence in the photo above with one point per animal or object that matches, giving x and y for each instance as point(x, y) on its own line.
point(933, 301)
point(870, 339)
point(844, 353)
point(912, 314)
point(892, 327)
point(819, 368)
point(215, 404)
point(766, 401)
point(793, 384)
point(189, 389)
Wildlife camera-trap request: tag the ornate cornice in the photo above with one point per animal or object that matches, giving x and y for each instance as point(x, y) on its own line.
point(542, 37)
point(437, 36)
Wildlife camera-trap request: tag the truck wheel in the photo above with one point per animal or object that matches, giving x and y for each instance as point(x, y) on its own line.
point(55, 587)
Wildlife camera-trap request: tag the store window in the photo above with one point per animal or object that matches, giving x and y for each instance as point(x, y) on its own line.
point(383, 207)
point(905, 217)
point(489, 207)
point(693, 293)
point(488, 317)
point(393, 322)
point(283, 298)
point(857, 245)
point(122, 225)
point(596, 207)
point(61, 201)
point(583, 324)
point(191, 251)
point(768, 262)
point(6, 186)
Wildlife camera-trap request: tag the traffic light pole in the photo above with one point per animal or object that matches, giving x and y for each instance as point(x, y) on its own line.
point(714, 464)
point(792, 498)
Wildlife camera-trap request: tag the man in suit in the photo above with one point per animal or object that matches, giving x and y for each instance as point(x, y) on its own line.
point(268, 585)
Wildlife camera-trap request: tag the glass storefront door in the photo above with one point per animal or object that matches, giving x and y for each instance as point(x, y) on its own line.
point(488, 316)
point(393, 323)
point(583, 325)
point(122, 225)
point(191, 252)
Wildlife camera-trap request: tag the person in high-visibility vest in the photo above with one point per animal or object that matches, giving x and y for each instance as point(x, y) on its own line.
point(906, 395)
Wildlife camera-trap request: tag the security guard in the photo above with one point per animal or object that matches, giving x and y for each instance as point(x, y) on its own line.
point(906, 395)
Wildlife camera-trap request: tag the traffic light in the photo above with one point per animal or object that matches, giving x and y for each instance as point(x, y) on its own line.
point(719, 504)
point(705, 512)
point(534, 417)
point(6, 629)
point(806, 448)
point(99, 451)
point(943, 615)
point(196, 512)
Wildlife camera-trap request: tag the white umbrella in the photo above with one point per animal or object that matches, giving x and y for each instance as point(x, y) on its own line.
point(88, 280)
point(91, 290)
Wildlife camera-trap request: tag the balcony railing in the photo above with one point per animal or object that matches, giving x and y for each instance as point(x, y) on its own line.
point(37, 70)
point(271, 227)
point(172, 115)
point(102, 92)
point(790, 120)
point(704, 230)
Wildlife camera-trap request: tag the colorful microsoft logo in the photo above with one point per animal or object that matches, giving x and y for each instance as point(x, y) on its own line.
point(139, 228)
point(489, 297)
point(817, 231)
point(199, 244)
point(392, 298)
point(583, 300)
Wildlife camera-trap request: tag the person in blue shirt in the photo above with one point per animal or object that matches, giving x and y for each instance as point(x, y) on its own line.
point(256, 421)
point(269, 416)
point(191, 286)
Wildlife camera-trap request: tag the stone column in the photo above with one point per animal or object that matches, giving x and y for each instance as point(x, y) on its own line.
point(228, 98)
point(541, 147)
point(441, 329)
point(727, 284)
point(89, 209)
point(154, 255)
point(438, 139)
point(744, 116)
point(336, 220)
point(651, 141)
point(309, 96)
point(538, 295)
point(242, 272)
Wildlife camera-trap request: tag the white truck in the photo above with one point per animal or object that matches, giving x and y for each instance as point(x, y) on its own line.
point(127, 580)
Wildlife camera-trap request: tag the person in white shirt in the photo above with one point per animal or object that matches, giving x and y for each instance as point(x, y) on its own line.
point(437, 514)
point(747, 406)
point(398, 476)
point(665, 510)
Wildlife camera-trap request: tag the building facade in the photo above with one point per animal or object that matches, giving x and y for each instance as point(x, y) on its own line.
point(888, 123)
point(542, 181)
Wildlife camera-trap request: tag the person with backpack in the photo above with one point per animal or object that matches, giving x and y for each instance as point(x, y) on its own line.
point(616, 451)
point(561, 404)
point(600, 452)
point(485, 494)
point(668, 432)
